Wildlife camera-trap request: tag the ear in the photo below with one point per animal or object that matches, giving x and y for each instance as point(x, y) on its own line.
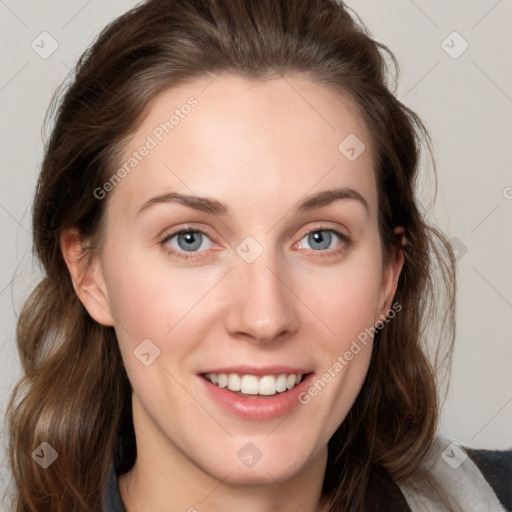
point(391, 274)
point(87, 276)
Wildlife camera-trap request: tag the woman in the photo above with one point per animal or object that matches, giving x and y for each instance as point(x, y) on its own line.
point(238, 277)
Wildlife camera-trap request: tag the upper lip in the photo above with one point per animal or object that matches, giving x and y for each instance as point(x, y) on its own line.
point(258, 371)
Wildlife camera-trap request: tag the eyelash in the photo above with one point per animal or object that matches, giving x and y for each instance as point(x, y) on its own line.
point(345, 242)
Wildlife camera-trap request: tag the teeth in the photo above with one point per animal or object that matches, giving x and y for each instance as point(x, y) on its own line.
point(267, 385)
point(281, 383)
point(251, 385)
point(234, 382)
point(223, 380)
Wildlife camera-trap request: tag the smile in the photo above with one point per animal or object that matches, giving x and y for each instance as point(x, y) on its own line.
point(272, 393)
point(266, 385)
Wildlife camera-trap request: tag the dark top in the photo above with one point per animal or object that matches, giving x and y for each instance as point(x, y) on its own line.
point(496, 466)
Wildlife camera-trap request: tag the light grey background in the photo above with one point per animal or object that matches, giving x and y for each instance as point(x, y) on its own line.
point(466, 103)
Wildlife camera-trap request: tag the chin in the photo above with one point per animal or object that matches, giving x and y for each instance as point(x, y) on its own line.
point(260, 474)
point(250, 465)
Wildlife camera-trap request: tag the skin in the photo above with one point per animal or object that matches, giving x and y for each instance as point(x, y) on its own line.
point(260, 148)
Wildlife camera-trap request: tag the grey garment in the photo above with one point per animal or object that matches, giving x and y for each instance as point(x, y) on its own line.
point(495, 465)
point(113, 501)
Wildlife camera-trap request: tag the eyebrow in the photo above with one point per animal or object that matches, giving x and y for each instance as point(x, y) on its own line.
point(207, 205)
point(329, 196)
point(203, 204)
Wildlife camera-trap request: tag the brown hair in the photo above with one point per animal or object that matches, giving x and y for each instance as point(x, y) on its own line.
point(75, 393)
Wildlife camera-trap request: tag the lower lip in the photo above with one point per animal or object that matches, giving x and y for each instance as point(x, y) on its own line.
point(260, 407)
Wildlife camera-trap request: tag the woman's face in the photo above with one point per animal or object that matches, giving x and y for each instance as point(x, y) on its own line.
point(279, 272)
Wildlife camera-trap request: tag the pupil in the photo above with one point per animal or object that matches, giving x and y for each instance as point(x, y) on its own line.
point(322, 239)
point(186, 241)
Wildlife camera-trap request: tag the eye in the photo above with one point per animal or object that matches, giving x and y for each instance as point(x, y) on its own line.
point(188, 241)
point(322, 239)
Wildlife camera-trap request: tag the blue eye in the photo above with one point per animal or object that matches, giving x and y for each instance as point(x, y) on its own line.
point(189, 241)
point(321, 239)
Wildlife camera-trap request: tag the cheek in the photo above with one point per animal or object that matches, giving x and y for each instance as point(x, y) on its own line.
point(343, 300)
point(152, 307)
point(148, 300)
point(348, 307)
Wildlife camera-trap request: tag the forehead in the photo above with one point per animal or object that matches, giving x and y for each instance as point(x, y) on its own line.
point(229, 137)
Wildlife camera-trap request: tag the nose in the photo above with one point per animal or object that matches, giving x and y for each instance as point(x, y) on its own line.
point(262, 306)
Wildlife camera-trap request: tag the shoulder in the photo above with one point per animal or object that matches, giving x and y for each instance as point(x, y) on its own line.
point(476, 477)
point(496, 468)
point(466, 479)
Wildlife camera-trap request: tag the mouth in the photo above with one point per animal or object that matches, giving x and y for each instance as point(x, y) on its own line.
point(253, 386)
point(256, 394)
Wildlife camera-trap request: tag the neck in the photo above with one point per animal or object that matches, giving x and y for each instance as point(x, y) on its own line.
point(164, 478)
